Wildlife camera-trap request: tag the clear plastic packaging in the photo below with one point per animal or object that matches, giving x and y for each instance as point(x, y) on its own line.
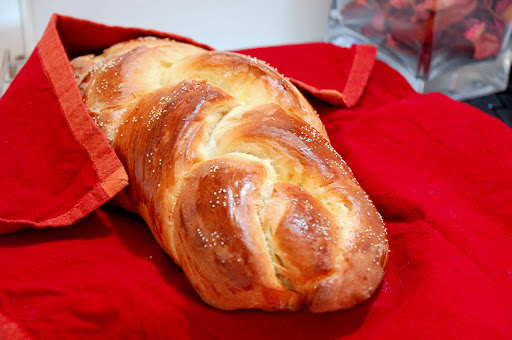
point(458, 47)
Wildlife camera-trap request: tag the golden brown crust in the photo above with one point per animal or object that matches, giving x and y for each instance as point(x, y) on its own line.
point(233, 172)
point(251, 81)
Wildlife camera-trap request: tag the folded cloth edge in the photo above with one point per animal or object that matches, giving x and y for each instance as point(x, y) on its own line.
point(112, 176)
point(360, 71)
point(58, 70)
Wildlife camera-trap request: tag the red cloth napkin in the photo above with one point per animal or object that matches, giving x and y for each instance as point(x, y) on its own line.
point(439, 171)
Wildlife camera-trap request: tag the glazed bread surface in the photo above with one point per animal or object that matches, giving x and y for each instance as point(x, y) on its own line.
point(232, 170)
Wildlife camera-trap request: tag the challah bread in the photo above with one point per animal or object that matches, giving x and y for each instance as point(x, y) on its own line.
point(232, 170)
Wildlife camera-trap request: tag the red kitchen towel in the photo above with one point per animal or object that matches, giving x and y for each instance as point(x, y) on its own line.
point(56, 165)
point(342, 85)
point(439, 171)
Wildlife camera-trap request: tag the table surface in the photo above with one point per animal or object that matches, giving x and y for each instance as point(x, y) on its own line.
point(498, 105)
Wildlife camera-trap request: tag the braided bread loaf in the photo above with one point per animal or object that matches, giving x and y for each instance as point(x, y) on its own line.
point(232, 170)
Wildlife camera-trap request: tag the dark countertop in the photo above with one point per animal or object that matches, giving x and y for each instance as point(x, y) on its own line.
point(498, 105)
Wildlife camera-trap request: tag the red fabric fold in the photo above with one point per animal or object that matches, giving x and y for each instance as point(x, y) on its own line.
point(439, 171)
point(81, 37)
point(57, 165)
point(340, 80)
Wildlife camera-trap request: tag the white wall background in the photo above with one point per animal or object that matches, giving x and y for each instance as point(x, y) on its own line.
point(10, 32)
point(223, 24)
